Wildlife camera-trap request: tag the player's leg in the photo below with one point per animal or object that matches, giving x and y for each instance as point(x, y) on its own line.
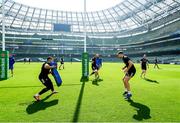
point(127, 77)
point(98, 72)
point(96, 75)
point(12, 72)
point(93, 70)
point(60, 67)
point(11, 69)
point(143, 70)
point(50, 86)
point(125, 89)
point(126, 82)
point(44, 90)
point(144, 73)
point(92, 73)
point(157, 66)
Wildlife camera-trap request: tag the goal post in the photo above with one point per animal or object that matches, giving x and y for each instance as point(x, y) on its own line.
point(85, 55)
point(4, 65)
point(85, 67)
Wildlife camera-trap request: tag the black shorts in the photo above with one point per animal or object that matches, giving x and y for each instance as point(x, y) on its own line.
point(46, 81)
point(62, 62)
point(131, 73)
point(94, 67)
point(143, 67)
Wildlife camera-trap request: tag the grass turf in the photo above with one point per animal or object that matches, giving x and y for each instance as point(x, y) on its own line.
point(153, 101)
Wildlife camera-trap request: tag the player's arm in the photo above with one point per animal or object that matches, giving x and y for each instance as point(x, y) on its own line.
point(14, 61)
point(46, 66)
point(50, 72)
point(123, 67)
point(129, 66)
point(140, 62)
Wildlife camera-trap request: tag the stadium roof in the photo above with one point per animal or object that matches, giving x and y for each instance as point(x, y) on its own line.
point(71, 5)
point(121, 18)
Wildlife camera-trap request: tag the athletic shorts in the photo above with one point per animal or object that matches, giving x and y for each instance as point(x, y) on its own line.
point(62, 62)
point(131, 73)
point(94, 68)
point(143, 67)
point(11, 67)
point(46, 81)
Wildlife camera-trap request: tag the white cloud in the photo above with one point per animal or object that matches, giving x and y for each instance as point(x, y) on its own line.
point(71, 5)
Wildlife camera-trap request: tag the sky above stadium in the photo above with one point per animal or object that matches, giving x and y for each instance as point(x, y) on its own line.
point(71, 5)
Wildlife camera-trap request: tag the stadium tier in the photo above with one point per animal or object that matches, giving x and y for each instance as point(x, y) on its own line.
point(133, 26)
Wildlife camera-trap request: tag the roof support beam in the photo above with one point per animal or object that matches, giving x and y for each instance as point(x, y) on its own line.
point(101, 21)
point(38, 19)
point(94, 22)
point(108, 20)
point(125, 14)
point(31, 19)
point(114, 19)
point(88, 21)
point(16, 15)
point(8, 10)
point(45, 21)
point(77, 21)
point(24, 17)
point(137, 23)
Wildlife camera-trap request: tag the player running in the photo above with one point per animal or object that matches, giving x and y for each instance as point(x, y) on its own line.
point(24, 60)
point(96, 65)
point(144, 63)
point(129, 71)
point(11, 64)
point(62, 63)
point(29, 60)
point(46, 81)
point(156, 63)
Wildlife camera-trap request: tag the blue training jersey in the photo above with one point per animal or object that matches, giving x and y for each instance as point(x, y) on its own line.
point(11, 62)
point(98, 62)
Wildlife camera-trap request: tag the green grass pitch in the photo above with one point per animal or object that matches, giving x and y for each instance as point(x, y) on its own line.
point(153, 101)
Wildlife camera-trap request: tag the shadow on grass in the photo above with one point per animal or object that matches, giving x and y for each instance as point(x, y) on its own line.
point(84, 79)
point(19, 87)
point(78, 104)
point(143, 112)
point(150, 80)
point(71, 84)
point(40, 105)
point(96, 82)
point(36, 86)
